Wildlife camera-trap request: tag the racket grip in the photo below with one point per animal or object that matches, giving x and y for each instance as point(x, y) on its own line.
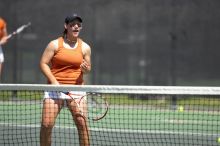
point(9, 36)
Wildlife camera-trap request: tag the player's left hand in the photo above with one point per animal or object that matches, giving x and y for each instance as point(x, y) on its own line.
point(85, 66)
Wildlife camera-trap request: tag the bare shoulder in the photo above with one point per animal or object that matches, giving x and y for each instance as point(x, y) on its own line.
point(85, 46)
point(53, 45)
point(86, 49)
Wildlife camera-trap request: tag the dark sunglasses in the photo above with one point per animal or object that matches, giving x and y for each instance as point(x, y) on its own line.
point(75, 23)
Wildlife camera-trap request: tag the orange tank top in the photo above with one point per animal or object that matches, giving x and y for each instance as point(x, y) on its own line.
point(65, 65)
point(2, 27)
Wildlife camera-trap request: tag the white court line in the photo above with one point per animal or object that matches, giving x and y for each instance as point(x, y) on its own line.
point(119, 130)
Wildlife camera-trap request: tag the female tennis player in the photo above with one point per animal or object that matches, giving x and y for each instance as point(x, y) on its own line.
point(64, 61)
point(3, 40)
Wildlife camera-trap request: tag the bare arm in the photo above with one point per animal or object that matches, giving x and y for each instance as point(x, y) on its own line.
point(4, 39)
point(45, 60)
point(86, 65)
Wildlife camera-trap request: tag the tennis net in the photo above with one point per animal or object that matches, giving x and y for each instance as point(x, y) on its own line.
point(137, 115)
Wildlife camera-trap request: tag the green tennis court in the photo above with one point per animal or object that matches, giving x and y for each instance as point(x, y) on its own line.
point(147, 123)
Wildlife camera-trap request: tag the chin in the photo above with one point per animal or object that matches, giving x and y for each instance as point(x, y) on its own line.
point(75, 34)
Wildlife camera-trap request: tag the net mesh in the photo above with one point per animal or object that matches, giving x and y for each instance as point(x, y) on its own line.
point(138, 115)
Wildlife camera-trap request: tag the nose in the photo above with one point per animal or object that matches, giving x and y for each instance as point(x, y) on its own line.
point(76, 25)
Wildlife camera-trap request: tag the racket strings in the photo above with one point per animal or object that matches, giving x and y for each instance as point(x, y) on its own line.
point(97, 106)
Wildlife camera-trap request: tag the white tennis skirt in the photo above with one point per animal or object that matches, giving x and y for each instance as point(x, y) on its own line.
point(62, 95)
point(1, 55)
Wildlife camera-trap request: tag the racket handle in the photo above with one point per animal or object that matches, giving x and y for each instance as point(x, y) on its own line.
point(9, 36)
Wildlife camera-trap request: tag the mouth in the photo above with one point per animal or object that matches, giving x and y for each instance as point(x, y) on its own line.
point(76, 30)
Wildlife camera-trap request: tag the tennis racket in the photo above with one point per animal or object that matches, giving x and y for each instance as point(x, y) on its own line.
point(97, 105)
point(19, 30)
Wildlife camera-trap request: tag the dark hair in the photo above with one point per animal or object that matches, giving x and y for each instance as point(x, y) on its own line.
point(64, 33)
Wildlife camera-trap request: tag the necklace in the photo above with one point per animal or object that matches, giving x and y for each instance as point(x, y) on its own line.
point(71, 41)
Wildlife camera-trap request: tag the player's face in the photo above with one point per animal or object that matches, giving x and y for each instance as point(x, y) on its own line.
point(73, 28)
